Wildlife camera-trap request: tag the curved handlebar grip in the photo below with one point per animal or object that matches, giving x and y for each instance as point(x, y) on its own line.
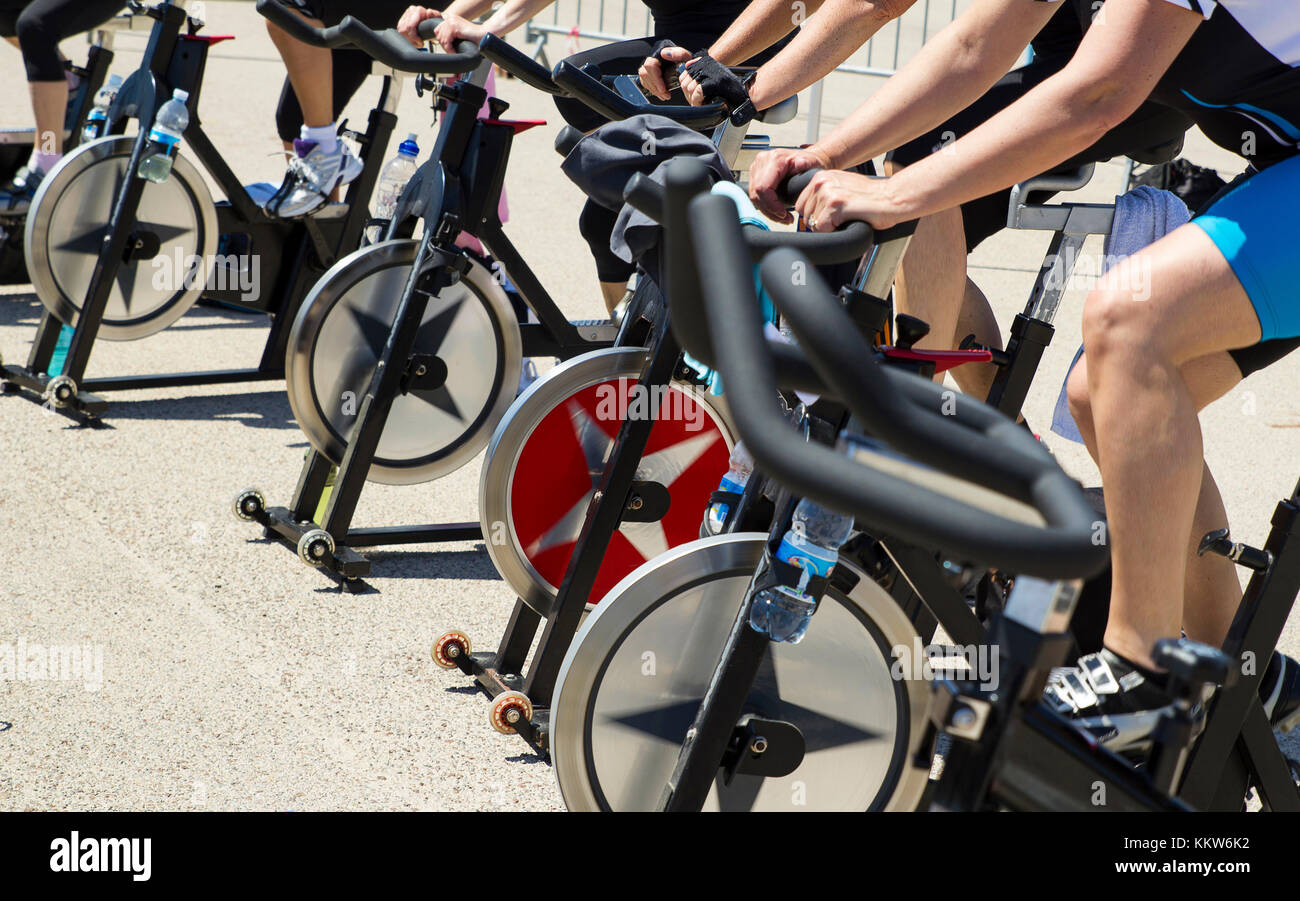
point(296, 26)
point(387, 47)
point(1062, 549)
point(645, 195)
point(847, 243)
point(793, 186)
point(392, 49)
point(612, 105)
point(518, 64)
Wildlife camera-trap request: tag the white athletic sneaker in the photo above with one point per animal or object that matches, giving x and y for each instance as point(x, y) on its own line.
point(313, 175)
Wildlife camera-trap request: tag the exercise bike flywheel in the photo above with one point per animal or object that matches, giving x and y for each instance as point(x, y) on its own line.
point(545, 461)
point(172, 241)
point(633, 678)
point(470, 335)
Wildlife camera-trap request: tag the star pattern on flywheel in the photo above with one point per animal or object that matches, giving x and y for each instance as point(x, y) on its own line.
point(433, 334)
point(667, 722)
point(662, 466)
point(91, 242)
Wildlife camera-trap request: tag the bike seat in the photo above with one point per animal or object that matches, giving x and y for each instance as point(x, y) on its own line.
point(208, 39)
point(1160, 153)
point(781, 113)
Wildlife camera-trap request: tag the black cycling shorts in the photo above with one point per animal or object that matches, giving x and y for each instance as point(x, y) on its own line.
point(39, 25)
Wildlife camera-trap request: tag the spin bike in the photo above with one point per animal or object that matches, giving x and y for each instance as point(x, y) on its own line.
point(432, 365)
point(874, 726)
point(16, 143)
point(98, 234)
point(584, 488)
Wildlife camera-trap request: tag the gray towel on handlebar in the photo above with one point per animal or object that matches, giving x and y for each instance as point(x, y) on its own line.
point(603, 162)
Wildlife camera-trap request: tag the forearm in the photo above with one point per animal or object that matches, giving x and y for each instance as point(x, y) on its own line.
point(514, 13)
point(951, 71)
point(469, 9)
point(1055, 121)
point(837, 30)
point(762, 24)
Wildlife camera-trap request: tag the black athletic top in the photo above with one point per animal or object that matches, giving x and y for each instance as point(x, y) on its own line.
point(1238, 77)
point(694, 16)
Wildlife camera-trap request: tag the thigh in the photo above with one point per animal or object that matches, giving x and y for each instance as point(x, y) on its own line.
point(68, 17)
point(1180, 296)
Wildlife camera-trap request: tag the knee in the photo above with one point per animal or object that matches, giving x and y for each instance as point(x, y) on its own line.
point(32, 30)
point(1076, 394)
point(1115, 322)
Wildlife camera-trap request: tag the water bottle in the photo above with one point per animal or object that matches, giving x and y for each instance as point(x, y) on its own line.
point(168, 126)
point(742, 467)
point(97, 118)
point(812, 544)
point(60, 354)
point(393, 178)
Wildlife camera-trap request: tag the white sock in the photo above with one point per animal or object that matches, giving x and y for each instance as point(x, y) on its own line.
point(44, 162)
point(325, 136)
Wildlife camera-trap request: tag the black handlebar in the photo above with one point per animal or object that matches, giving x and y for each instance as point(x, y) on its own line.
point(957, 435)
point(614, 105)
point(388, 46)
point(520, 65)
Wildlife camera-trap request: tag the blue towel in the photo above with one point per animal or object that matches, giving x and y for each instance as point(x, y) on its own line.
point(1142, 217)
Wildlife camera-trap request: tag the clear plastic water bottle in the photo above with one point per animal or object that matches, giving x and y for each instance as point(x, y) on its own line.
point(741, 468)
point(812, 544)
point(393, 178)
point(168, 125)
point(97, 118)
point(60, 354)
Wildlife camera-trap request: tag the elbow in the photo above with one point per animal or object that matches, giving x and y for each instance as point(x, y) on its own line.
point(1098, 106)
point(881, 12)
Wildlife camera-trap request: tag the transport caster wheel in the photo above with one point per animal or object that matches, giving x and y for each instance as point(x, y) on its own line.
point(61, 391)
point(249, 504)
point(509, 709)
point(449, 648)
point(315, 546)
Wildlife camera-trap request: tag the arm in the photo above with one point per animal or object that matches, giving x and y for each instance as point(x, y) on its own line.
point(827, 38)
point(762, 24)
point(1112, 73)
point(456, 24)
point(951, 71)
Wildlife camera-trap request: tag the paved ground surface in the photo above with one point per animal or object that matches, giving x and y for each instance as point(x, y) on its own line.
point(233, 676)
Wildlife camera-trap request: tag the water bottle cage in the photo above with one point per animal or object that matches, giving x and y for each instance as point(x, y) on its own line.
point(730, 498)
point(777, 572)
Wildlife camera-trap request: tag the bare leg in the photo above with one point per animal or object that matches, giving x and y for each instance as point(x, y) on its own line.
point(311, 72)
point(1212, 589)
point(612, 292)
point(50, 104)
point(1148, 437)
point(932, 285)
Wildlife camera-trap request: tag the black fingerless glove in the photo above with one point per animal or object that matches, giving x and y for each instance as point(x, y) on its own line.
point(657, 50)
point(718, 82)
